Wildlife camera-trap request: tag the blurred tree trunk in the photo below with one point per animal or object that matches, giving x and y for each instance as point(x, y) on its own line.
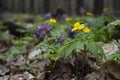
point(109, 4)
point(98, 7)
point(67, 7)
point(23, 6)
point(73, 7)
point(27, 6)
point(46, 5)
point(53, 6)
point(63, 5)
point(80, 4)
point(41, 8)
point(38, 8)
point(17, 4)
point(1, 4)
point(31, 6)
point(116, 4)
point(89, 5)
point(9, 5)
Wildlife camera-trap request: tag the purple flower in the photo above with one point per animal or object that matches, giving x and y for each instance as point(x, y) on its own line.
point(58, 17)
point(60, 39)
point(2, 15)
point(64, 17)
point(61, 17)
point(82, 10)
point(48, 15)
point(43, 30)
point(90, 23)
point(70, 33)
point(41, 34)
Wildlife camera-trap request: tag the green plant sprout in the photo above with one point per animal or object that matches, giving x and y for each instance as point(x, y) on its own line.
point(115, 56)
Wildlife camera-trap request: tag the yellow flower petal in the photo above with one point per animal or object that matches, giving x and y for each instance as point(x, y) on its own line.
point(89, 14)
point(76, 24)
point(105, 9)
point(51, 20)
point(81, 26)
point(74, 29)
point(68, 19)
point(86, 30)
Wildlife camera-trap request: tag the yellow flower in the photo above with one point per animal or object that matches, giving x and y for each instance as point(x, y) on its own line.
point(89, 14)
point(51, 20)
point(74, 29)
point(105, 9)
point(86, 30)
point(81, 27)
point(68, 19)
point(78, 26)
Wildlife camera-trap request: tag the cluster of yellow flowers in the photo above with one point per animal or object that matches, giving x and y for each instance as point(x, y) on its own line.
point(51, 20)
point(78, 26)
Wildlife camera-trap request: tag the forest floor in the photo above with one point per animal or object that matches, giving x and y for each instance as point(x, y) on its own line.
point(74, 68)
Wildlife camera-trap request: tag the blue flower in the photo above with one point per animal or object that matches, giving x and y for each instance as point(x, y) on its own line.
point(2, 16)
point(71, 33)
point(82, 10)
point(64, 17)
point(48, 15)
point(90, 23)
point(60, 39)
point(61, 17)
point(43, 30)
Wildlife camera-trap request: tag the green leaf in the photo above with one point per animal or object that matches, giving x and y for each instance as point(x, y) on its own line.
point(96, 49)
point(115, 57)
point(114, 23)
point(55, 56)
point(79, 45)
point(68, 48)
